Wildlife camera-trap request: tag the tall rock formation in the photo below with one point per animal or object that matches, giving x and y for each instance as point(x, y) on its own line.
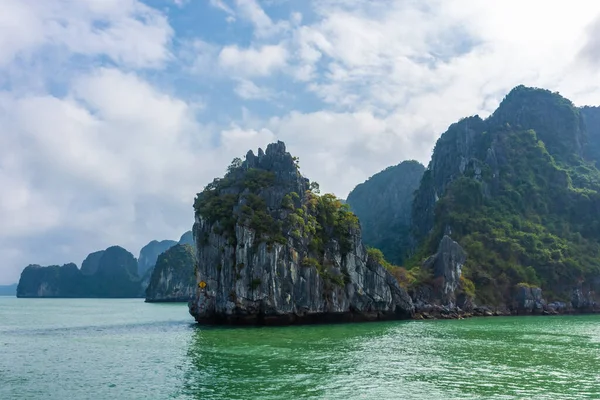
point(271, 251)
point(517, 193)
point(173, 278)
point(383, 205)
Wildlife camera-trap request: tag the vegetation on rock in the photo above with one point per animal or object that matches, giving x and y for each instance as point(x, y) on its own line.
point(517, 194)
point(247, 196)
point(173, 276)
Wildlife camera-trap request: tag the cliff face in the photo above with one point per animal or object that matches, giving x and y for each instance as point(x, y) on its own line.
point(149, 254)
point(109, 273)
point(591, 118)
point(383, 204)
point(516, 193)
point(271, 251)
point(173, 278)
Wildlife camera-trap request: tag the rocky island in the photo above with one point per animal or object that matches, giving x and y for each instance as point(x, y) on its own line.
point(107, 273)
point(271, 250)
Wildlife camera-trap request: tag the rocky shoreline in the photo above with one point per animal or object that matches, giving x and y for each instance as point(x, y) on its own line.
point(491, 312)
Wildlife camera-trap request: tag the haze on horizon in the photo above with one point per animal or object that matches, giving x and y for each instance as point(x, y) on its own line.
point(115, 113)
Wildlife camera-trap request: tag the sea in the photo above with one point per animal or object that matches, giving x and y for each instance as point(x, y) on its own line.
point(120, 349)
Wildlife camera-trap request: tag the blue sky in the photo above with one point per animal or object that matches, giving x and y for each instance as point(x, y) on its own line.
point(114, 113)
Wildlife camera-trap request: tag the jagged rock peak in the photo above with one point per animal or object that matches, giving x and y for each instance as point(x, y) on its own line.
point(276, 159)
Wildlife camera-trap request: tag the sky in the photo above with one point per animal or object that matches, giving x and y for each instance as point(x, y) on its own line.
point(115, 113)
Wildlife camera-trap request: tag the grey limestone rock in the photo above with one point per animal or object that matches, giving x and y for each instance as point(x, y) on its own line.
point(446, 265)
point(529, 300)
point(246, 276)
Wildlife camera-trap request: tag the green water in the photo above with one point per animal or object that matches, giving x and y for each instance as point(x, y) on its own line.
point(126, 349)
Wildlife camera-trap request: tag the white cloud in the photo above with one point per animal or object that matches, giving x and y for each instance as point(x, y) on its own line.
point(115, 161)
point(128, 32)
point(238, 141)
point(384, 55)
point(220, 4)
point(258, 61)
point(248, 90)
point(264, 26)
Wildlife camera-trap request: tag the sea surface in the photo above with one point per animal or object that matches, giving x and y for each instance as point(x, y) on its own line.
point(127, 349)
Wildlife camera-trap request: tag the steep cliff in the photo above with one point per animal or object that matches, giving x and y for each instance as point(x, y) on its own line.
point(108, 273)
point(271, 251)
point(150, 252)
point(383, 205)
point(173, 276)
point(516, 193)
point(591, 118)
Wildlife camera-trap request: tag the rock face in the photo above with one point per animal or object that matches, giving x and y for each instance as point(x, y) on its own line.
point(173, 278)
point(446, 265)
point(109, 273)
point(529, 300)
point(584, 298)
point(271, 251)
point(445, 292)
point(149, 254)
point(383, 204)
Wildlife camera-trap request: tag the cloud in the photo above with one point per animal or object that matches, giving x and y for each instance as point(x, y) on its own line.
point(258, 61)
point(264, 26)
point(249, 91)
point(128, 32)
point(220, 4)
point(590, 51)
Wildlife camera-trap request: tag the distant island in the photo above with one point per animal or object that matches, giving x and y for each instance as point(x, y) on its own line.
point(111, 273)
point(8, 290)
